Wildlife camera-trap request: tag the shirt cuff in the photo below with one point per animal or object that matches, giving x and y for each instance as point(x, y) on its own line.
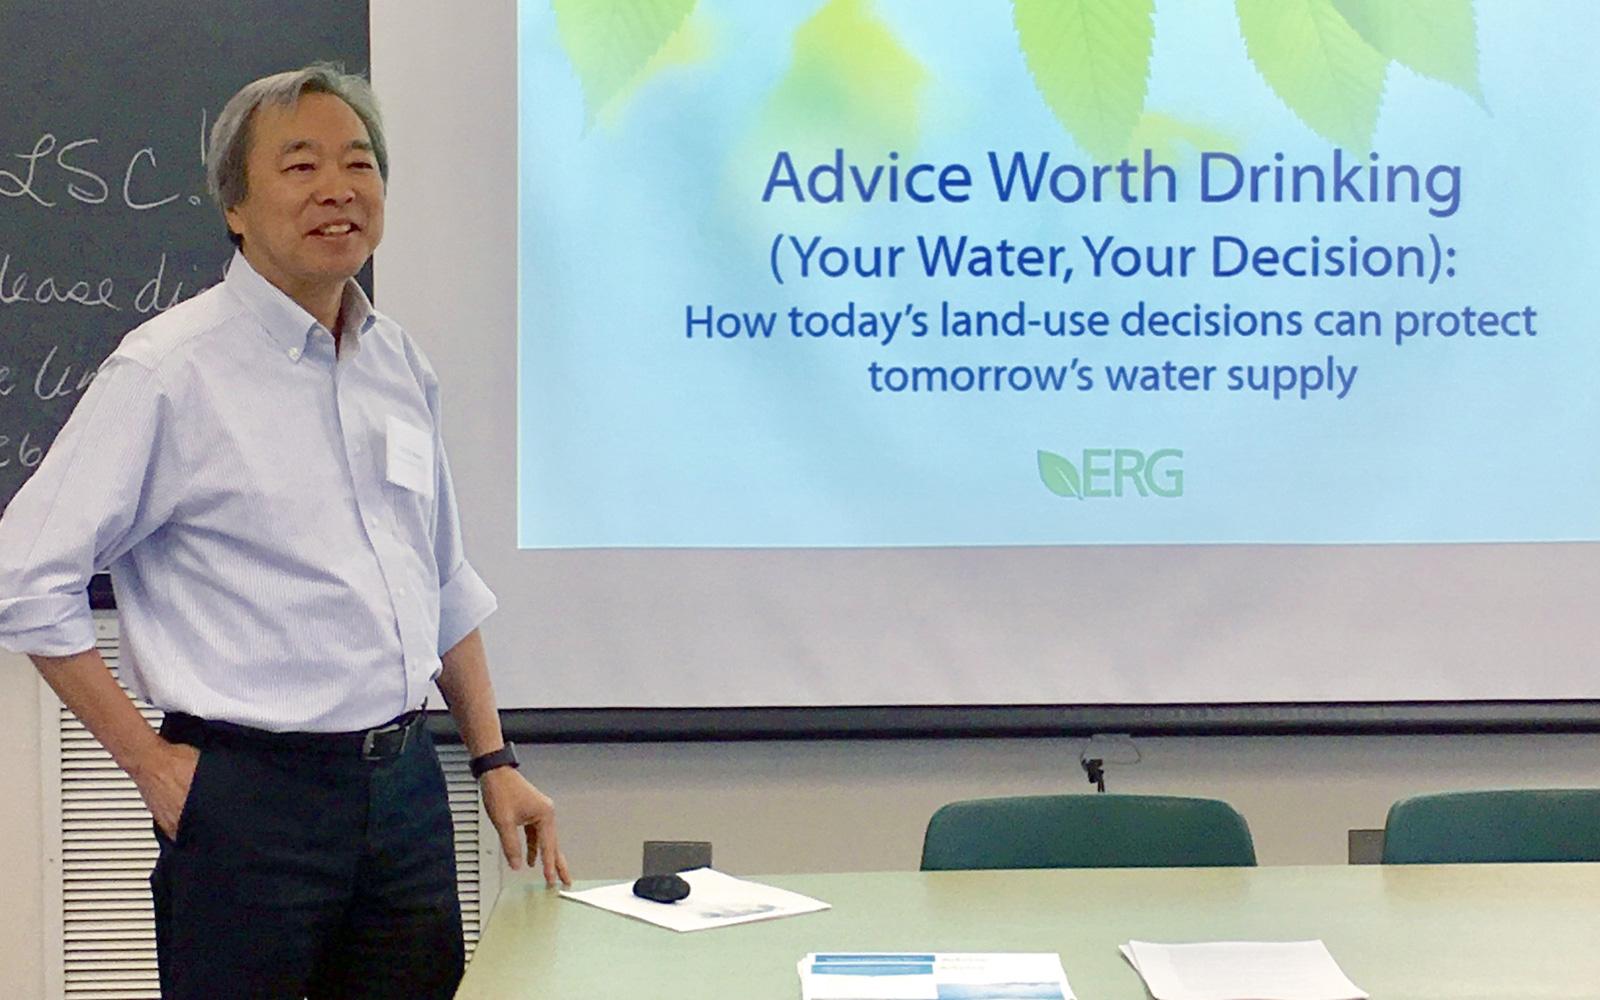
point(49, 625)
point(464, 602)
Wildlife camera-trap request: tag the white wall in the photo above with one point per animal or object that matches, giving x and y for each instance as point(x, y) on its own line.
point(21, 843)
point(862, 806)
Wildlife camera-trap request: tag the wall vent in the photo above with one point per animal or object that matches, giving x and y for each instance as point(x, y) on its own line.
point(100, 931)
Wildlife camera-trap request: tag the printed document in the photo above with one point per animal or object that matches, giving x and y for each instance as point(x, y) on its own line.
point(932, 976)
point(714, 900)
point(1241, 970)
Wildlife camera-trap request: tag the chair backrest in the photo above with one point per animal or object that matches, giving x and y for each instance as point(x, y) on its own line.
point(1555, 824)
point(1087, 831)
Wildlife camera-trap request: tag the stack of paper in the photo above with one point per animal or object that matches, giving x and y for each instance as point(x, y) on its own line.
point(715, 900)
point(930, 976)
point(1241, 970)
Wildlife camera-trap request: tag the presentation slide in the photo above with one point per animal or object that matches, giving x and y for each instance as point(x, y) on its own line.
point(1048, 273)
point(1035, 353)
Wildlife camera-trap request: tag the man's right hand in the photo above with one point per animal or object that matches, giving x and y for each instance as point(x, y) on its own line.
point(163, 771)
point(164, 777)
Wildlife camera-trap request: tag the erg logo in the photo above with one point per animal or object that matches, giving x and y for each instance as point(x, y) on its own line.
point(1113, 472)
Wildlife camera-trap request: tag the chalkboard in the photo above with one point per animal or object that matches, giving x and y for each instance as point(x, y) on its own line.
point(104, 217)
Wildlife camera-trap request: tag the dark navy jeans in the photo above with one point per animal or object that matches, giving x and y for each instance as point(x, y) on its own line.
point(299, 872)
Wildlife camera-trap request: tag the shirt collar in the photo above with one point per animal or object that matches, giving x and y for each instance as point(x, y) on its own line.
point(284, 319)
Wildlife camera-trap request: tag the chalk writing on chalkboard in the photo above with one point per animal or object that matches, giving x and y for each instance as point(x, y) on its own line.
point(104, 217)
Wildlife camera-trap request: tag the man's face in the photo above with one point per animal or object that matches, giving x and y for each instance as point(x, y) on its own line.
point(313, 210)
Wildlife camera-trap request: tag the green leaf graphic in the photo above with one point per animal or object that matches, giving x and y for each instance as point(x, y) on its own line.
point(611, 41)
point(1437, 38)
point(1311, 57)
point(1059, 475)
point(850, 85)
point(693, 42)
point(1090, 61)
point(1167, 138)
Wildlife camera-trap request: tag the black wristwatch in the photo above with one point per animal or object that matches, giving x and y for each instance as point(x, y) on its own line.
point(506, 756)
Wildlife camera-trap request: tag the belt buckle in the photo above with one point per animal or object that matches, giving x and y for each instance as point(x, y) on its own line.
point(369, 742)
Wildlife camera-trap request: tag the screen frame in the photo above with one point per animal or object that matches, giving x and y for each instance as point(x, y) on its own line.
point(458, 83)
point(662, 725)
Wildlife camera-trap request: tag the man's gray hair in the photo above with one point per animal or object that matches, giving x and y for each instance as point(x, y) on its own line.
point(229, 150)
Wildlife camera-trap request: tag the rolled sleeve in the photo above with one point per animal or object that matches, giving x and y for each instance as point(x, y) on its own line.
point(464, 602)
point(464, 599)
point(96, 494)
point(47, 624)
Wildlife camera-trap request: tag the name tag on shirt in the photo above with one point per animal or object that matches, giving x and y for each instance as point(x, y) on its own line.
point(410, 457)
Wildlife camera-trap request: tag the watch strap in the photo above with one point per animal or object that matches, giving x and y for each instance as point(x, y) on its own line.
point(506, 756)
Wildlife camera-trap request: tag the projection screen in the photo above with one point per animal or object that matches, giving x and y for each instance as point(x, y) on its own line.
point(1014, 354)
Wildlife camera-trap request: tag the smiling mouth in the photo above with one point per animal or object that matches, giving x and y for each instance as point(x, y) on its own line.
point(336, 229)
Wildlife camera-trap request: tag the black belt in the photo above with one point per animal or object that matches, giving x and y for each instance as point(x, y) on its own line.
point(379, 743)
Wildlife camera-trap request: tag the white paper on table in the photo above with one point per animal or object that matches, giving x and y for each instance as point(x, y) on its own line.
point(714, 900)
point(933, 976)
point(1241, 970)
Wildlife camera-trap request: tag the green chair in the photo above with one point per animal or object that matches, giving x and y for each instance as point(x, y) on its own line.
point(1557, 824)
point(1087, 831)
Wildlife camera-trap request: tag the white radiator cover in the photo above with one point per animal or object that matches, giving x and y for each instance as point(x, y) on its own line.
point(100, 932)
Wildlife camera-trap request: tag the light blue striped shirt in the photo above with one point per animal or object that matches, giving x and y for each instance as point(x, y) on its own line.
point(279, 521)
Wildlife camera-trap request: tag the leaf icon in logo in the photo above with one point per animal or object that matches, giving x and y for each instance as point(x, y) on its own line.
point(1059, 475)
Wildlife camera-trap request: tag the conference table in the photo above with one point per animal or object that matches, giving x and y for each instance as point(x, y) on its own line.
point(1462, 932)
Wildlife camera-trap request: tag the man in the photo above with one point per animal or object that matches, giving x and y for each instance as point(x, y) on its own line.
point(262, 470)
